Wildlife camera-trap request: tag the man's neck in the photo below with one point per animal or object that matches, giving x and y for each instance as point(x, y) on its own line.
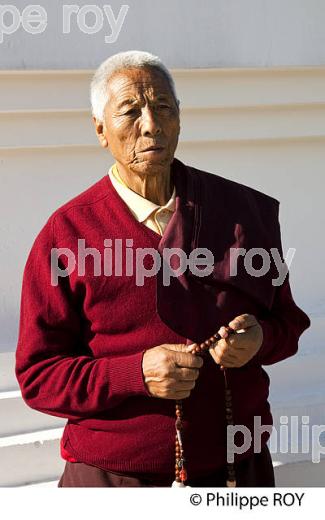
point(156, 188)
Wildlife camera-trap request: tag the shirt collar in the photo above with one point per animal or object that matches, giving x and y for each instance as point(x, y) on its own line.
point(139, 206)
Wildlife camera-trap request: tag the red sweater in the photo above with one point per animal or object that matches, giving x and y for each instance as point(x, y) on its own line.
point(80, 348)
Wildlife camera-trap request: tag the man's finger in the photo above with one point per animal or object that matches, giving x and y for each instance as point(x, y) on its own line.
point(189, 348)
point(223, 332)
point(226, 355)
point(186, 374)
point(182, 357)
point(188, 360)
point(243, 321)
point(176, 347)
point(221, 360)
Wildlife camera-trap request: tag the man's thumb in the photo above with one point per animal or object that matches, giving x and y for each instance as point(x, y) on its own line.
point(176, 347)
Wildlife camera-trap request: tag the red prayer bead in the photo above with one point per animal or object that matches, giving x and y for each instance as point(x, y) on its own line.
point(183, 474)
point(180, 471)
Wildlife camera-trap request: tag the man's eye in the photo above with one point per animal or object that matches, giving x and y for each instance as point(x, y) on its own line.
point(163, 106)
point(131, 112)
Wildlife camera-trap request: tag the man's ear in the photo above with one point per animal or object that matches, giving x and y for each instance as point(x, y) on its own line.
point(99, 127)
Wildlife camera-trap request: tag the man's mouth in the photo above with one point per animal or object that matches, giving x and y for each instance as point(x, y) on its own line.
point(153, 149)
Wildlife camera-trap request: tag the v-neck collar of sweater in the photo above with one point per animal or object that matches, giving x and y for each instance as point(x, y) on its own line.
point(182, 229)
point(140, 207)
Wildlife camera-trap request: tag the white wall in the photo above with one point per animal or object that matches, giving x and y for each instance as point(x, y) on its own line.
point(265, 128)
point(254, 116)
point(184, 33)
point(262, 127)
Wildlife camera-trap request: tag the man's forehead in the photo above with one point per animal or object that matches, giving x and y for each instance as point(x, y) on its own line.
point(130, 84)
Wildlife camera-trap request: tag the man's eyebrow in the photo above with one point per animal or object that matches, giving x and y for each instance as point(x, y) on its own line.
point(164, 96)
point(133, 101)
point(128, 101)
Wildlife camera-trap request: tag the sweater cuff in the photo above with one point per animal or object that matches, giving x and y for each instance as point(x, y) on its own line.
point(126, 376)
point(266, 346)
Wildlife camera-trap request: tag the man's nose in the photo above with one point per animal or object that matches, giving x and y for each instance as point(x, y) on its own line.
point(150, 125)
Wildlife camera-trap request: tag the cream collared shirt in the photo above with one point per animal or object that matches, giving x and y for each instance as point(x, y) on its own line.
point(150, 214)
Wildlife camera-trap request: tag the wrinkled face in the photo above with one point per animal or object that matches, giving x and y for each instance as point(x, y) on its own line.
point(141, 124)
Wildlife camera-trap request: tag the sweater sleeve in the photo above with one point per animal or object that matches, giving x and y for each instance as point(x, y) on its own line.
point(57, 375)
point(284, 323)
point(282, 327)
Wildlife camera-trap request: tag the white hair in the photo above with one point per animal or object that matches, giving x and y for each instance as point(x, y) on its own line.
point(119, 62)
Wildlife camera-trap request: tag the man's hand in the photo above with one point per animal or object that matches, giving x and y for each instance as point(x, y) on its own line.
point(237, 349)
point(170, 371)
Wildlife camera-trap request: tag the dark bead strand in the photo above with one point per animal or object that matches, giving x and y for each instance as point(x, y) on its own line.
point(180, 471)
point(231, 479)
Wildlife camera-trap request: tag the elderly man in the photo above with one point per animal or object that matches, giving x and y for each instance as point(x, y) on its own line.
point(152, 360)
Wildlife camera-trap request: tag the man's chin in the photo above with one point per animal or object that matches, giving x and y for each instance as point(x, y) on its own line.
point(151, 167)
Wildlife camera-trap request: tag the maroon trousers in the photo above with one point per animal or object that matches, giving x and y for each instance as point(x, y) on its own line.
point(255, 471)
